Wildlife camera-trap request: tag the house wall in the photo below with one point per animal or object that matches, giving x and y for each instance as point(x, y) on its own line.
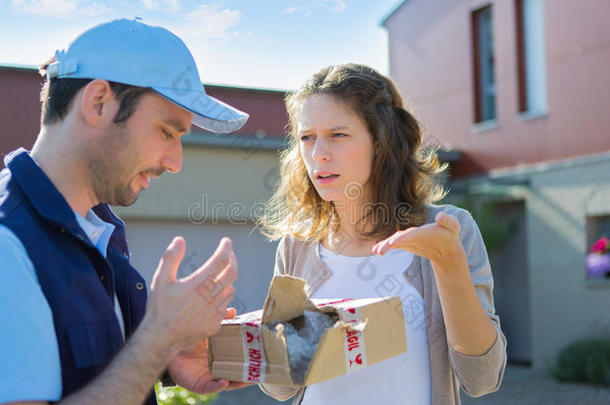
point(562, 154)
point(431, 60)
point(565, 305)
point(19, 109)
point(549, 295)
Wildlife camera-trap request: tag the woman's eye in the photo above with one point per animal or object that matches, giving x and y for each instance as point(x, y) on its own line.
point(305, 138)
point(339, 134)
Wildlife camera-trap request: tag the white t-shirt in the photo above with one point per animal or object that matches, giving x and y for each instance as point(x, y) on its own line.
point(404, 379)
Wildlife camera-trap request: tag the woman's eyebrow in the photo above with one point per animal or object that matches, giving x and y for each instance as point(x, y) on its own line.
point(335, 128)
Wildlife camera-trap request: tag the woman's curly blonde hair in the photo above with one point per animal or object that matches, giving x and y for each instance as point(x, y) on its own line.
point(402, 176)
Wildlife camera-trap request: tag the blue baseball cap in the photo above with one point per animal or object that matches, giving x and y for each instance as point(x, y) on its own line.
point(137, 54)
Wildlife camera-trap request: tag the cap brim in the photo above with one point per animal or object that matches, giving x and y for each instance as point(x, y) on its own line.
point(210, 113)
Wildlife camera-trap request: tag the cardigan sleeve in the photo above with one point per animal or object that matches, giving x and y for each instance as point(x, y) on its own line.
point(280, 257)
point(481, 374)
point(280, 392)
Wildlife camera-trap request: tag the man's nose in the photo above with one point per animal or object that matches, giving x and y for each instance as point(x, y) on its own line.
point(172, 161)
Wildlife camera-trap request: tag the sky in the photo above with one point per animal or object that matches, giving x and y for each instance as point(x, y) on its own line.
point(273, 44)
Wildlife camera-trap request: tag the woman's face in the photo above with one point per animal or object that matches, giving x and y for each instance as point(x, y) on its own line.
point(336, 147)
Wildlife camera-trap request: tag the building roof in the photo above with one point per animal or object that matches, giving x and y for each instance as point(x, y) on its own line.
point(391, 12)
point(265, 130)
point(34, 68)
point(17, 66)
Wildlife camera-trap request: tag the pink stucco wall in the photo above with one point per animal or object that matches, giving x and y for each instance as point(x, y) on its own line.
point(431, 59)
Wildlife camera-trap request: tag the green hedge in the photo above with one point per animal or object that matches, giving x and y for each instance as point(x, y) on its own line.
point(586, 361)
point(181, 396)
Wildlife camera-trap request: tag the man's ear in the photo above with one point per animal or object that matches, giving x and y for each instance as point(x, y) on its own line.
point(98, 104)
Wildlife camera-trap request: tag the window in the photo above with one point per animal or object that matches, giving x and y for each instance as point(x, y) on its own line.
point(483, 65)
point(531, 69)
point(598, 265)
point(597, 226)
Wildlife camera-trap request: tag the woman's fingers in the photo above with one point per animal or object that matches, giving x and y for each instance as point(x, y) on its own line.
point(382, 247)
point(401, 236)
point(448, 222)
point(422, 235)
point(392, 242)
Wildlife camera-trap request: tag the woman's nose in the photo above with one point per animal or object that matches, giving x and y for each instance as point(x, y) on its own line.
point(321, 152)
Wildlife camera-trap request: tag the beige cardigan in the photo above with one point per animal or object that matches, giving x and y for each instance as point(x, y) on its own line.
point(449, 369)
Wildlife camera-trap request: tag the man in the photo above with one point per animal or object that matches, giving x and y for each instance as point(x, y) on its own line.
point(77, 327)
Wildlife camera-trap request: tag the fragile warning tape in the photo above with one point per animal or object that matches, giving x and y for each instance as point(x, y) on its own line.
point(252, 339)
point(353, 341)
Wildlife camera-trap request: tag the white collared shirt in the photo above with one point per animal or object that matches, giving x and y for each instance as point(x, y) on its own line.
point(99, 233)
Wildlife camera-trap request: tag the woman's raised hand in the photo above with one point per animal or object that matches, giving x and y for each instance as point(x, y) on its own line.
point(436, 241)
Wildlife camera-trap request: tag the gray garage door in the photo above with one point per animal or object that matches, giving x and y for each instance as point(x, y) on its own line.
point(255, 255)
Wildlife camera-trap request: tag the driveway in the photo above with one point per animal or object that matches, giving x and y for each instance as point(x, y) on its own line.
point(524, 386)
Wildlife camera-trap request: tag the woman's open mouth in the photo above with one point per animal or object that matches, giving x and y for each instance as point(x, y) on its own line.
point(325, 177)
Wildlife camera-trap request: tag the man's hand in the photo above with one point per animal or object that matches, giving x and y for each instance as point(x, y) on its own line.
point(180, 314)
point(189, 369)
point(186, 311)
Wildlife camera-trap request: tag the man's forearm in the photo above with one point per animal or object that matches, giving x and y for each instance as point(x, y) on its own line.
point(132, 373)
point(179, 314)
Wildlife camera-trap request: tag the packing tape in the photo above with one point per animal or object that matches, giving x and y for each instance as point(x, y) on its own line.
point(252, 340)
point(353, 340)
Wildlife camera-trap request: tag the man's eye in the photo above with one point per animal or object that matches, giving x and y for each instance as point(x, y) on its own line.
point(339, 134)
point(167, 134)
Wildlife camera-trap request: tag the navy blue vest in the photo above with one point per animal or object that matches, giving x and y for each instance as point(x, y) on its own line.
point(77, 281)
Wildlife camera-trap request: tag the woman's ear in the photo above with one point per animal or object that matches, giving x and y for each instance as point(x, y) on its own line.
point(97, 104)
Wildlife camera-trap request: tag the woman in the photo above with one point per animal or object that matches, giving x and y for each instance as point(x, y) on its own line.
point(354, 215)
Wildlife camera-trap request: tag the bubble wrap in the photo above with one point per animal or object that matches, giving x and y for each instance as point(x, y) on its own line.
point(302, 336)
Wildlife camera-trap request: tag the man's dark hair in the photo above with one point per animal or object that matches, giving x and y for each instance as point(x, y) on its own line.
point(57, 95)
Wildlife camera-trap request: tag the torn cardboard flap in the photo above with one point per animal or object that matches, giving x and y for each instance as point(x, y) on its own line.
point(286, 299)
point(254, 347)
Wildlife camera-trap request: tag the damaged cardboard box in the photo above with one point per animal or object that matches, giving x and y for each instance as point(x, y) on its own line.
point(294, 340)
